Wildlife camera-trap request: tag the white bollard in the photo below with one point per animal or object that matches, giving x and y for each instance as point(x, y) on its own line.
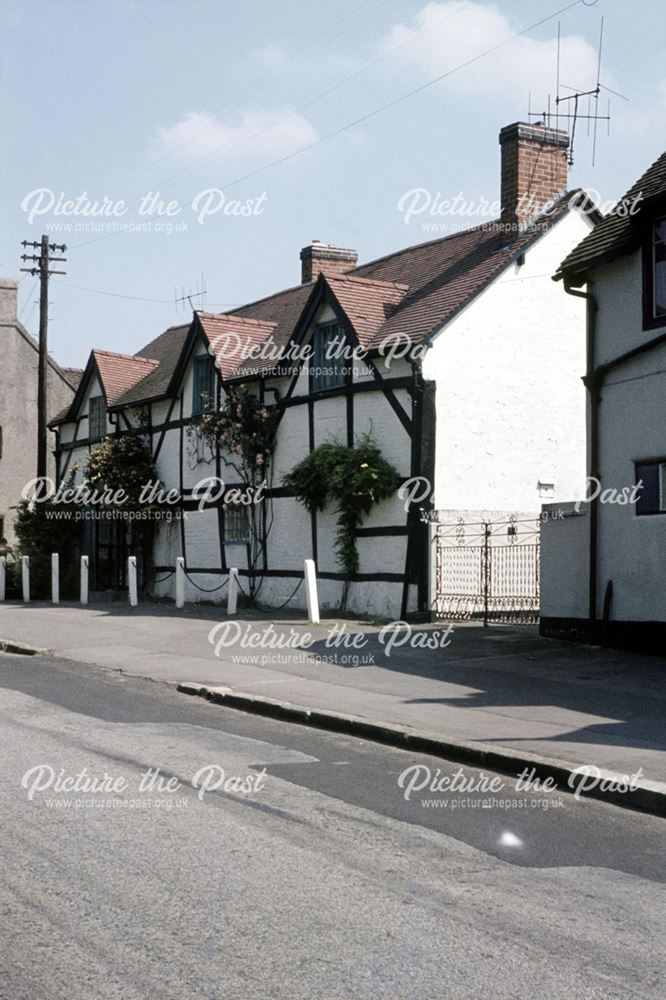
point(85, 577)
point(25, 578)
point(131, 580)
point(3, 577)
point(180, 582)
point(55, 578)
point(232, 595)
point(311, 591)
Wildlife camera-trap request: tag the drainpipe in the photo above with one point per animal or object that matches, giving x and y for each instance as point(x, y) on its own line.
point(592, 381)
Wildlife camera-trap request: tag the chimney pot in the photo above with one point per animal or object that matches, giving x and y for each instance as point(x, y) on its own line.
point(321, 257)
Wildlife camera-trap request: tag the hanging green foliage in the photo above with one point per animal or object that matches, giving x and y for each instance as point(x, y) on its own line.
point(357, 478)
point(42, 528)
point(122, 463)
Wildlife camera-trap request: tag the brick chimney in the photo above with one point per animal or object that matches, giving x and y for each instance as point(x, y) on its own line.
point(8, 298)
point(534, 170)
point(318, 257)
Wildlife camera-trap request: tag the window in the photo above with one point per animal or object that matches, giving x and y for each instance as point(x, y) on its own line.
point(652, 497)
point(236, 525)
point(96, 418)
point(0, 442)
point(655, 277)
point(203, 389)
point(328, 359)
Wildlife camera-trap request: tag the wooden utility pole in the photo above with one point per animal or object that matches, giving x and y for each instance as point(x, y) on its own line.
point(41, 268)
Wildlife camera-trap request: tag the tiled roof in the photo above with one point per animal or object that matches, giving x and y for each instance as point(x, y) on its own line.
point(617, 233)
point(120, 372)
point(419, 288)
point(367, 303)
point(413, 292)
point(445, 275)
point(283, 309)
point(166, 350)
point(74, 376)
point(233, 337)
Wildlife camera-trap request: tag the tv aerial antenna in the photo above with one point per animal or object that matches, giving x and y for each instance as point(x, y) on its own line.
point(187, 297)
point(572, 108)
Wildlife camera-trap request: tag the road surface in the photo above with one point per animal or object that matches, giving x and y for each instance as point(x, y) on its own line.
point(302, 872)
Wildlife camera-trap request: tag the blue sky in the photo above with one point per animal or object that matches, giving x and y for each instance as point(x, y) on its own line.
point(120, 98)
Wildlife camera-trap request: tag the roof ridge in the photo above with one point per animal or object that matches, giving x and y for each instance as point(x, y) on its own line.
point(490, 224)
point(250, 320)
point(359, 279)
point(127, 357)
point(425, 243)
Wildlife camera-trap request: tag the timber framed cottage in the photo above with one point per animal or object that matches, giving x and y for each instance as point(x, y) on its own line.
point(483, 399)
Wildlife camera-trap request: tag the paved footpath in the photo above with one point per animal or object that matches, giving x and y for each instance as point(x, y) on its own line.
point(502, 687)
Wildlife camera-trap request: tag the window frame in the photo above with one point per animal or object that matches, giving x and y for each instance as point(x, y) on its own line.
point(335, 327)
point(660, 463)
point(650, 320)
point(100, 418)
point(243, 538)
point(199, 407)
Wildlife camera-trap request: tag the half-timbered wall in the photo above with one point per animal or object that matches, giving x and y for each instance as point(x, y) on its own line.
point(308, 420)
point(496, 409)
point(74, 443)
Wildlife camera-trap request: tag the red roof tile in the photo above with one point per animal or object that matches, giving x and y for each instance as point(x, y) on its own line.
point(233, 337)
point(367, 304)
point(413, 292)
point(120, 372)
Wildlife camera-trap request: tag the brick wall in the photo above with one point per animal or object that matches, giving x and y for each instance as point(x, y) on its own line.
point(534, 170)
point(318, 257)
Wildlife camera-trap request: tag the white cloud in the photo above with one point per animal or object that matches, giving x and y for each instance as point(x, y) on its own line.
point(263, 133)
point(447, 34)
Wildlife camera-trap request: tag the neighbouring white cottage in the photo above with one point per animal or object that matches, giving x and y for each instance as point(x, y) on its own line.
point(604, 562)
point(484, 400)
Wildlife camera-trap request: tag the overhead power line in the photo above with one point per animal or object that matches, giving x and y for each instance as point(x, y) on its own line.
point(382, 108)
point(135, 298)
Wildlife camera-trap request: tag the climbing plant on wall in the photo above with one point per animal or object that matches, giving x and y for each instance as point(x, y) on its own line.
point(242, 433)
point(357, 478)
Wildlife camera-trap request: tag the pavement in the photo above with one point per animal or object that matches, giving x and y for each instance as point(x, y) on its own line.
point(325, 879)
point(499, 695)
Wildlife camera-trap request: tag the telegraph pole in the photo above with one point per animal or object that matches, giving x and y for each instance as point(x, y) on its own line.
point(41, 268)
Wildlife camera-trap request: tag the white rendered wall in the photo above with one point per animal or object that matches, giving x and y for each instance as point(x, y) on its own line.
point(632, 427)
point(510, 401)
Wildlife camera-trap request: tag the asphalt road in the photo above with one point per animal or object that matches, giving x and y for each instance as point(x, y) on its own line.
point(320, 881)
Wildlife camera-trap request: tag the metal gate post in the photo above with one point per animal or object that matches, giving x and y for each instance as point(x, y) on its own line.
point(486, 570)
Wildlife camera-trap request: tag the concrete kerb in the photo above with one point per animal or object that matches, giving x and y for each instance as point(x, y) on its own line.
point(9, 646)
point(647, 797)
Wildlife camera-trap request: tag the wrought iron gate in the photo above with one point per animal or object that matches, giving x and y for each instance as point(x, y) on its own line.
point(487, 570)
